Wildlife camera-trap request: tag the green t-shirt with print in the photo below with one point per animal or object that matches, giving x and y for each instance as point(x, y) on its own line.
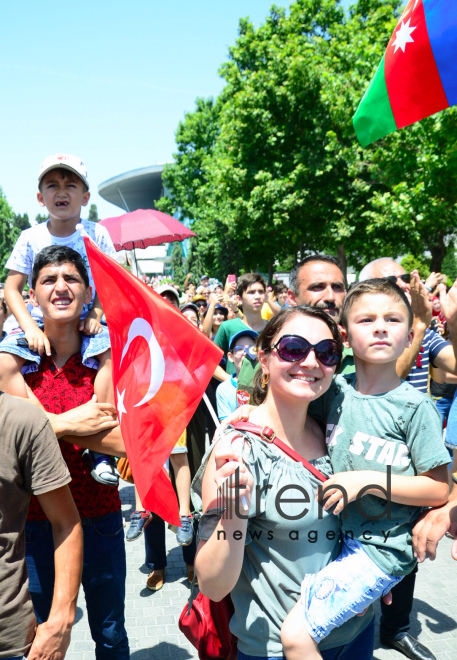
point(401, 429)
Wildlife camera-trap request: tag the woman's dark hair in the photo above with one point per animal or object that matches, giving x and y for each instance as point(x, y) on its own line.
point(274, 327)
point(56, 255)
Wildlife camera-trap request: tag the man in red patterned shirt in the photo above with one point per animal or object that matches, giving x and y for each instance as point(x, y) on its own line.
point(68, 391)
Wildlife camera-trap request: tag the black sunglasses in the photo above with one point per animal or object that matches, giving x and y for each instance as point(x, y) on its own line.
point(406, 278)
point(293, 348)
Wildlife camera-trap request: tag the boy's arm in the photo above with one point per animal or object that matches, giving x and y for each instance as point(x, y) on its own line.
point(422, 311)
point(53, 637)
point(14, 285)
point(91, 324)
point(208, 320)
point(428, 489)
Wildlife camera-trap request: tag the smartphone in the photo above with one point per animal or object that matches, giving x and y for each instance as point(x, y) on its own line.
point(231, 278)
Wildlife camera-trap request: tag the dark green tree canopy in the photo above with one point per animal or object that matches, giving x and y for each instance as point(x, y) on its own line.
point(273, 169)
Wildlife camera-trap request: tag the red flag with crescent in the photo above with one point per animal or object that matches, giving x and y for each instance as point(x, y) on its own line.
point(162, 365)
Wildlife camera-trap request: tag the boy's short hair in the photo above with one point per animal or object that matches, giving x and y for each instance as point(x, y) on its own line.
point(375, 286)
point(64, 174)
point(246, 280)
point(56, 255)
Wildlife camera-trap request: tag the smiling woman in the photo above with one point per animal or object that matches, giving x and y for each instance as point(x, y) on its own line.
point(299, 351)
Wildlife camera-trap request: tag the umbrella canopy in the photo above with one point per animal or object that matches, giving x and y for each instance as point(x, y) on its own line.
point(144, 227)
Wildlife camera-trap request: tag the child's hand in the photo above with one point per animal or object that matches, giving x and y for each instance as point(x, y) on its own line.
point(38, 342)
point(90, 326)
point(350, 484)
point(240, 414)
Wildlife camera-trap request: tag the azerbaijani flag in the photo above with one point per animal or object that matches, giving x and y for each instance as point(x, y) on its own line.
point(418, 73)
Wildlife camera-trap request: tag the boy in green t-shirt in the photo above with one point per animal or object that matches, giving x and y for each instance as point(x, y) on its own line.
point(385, 444)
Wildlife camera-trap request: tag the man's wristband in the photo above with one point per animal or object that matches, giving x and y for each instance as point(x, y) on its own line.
point(429, 288)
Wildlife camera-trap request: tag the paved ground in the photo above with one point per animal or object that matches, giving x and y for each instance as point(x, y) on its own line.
point(152, 618)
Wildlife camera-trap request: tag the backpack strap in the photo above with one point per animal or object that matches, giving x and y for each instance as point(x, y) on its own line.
point(268, 435)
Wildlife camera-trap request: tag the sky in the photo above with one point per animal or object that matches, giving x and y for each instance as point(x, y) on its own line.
point(106, 80)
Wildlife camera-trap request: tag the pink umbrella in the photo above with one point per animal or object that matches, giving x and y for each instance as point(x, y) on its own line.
point(144, 227)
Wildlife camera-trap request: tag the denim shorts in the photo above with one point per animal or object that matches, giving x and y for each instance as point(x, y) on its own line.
point(344, 588)
point(90, 348)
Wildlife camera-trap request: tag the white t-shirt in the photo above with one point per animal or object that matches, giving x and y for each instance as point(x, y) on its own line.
point(34, 239)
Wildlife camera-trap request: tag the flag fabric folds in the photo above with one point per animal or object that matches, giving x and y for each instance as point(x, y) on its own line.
point(418, 73)
point(162, 365)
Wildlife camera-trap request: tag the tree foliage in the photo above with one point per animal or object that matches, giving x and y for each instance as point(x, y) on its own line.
point(41, 217)
point(9, 233)
point(411, 262)
point(177, 264)
point(273, 169)
point(21, 221)
point(93, 213)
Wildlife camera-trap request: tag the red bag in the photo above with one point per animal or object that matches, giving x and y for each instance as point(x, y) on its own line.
point(205, 623)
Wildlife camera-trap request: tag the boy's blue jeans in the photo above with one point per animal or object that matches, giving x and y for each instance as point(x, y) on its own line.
point(103, 579)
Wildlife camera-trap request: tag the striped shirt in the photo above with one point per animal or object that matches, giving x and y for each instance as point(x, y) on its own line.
point(432, 344)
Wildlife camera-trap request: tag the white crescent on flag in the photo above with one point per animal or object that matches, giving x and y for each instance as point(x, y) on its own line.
point(141, 328)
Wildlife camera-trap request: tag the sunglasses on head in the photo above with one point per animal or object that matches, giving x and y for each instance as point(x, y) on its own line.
point(293, 348)
point(406, 278)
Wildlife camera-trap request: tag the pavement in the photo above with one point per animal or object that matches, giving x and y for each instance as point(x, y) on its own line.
point(152, 617)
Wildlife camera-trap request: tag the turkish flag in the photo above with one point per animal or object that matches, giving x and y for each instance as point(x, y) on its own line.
point(161, 367)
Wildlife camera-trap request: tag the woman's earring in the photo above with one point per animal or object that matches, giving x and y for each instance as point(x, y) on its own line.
point(264, 380)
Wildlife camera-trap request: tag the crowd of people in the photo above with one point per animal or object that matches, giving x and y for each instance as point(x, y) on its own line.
point(346, 398)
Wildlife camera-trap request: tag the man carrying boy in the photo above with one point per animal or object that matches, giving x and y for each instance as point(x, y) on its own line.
point(63, 190)
point(65, 387)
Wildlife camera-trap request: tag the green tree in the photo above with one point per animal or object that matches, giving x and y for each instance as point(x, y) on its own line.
point(9, 233)
point(449, 265)
point(177, 264)
point(39, 218)
point(21, 221)
point(410, 263)
point(194, 263)
point(195, 138)
point(285, 174)
point(93, 213)
point(281, 173)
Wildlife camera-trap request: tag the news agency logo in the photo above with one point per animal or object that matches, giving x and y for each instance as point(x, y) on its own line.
point(230, 499)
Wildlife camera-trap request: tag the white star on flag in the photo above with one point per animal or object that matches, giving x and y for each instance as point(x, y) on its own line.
point(120, 405)
point(403, 36)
